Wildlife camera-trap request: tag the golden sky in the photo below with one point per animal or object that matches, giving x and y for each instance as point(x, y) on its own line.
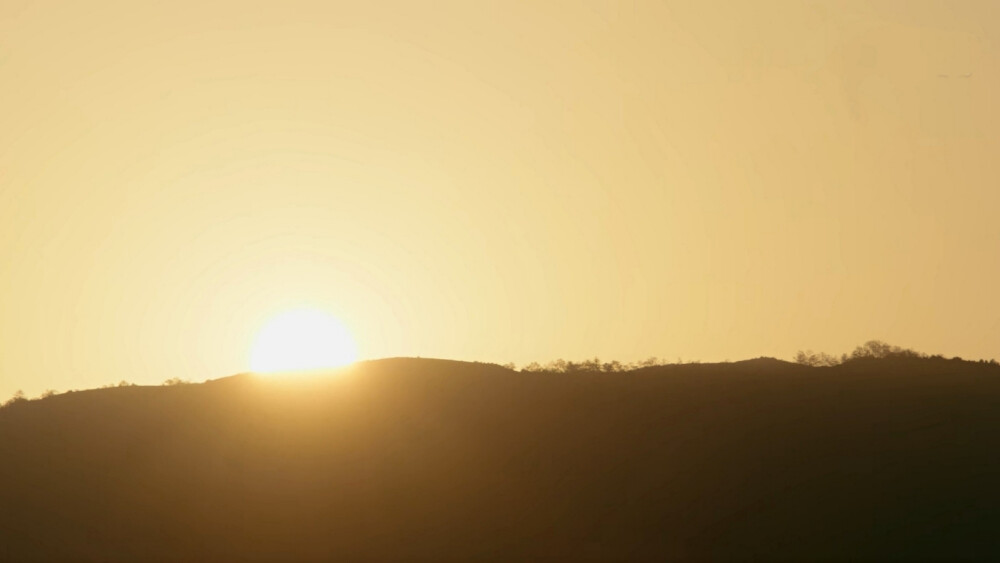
point(495, 181)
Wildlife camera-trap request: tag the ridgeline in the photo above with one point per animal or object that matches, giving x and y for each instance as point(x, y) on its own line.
point(410, 459)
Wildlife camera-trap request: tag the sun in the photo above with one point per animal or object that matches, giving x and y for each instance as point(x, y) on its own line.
point(302, 339)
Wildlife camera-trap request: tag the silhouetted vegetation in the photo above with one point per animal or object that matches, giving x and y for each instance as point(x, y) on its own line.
point(871, 350)
point(18, 397)
point(821, 359)
point(594, 365)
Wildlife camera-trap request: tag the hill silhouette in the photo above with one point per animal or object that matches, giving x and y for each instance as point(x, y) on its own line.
point(414, 459)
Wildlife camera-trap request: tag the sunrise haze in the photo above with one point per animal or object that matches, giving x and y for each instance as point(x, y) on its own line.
point(492, 181)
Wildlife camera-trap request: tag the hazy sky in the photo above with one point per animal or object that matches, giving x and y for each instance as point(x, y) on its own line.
point(496, 181)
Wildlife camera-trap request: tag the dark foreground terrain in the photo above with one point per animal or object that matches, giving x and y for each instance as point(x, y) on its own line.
point(437, 460)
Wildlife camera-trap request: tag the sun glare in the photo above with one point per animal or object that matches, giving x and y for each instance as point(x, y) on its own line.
point(302, 339)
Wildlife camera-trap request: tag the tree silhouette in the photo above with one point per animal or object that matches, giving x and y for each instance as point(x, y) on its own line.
point(876, 349)
point(814, 359)
point(871, 350)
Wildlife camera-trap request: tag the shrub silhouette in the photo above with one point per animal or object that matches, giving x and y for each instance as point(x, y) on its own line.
point(18, 397)
point(594, 365)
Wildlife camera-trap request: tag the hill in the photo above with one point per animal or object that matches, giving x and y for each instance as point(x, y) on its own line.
point(409, 459)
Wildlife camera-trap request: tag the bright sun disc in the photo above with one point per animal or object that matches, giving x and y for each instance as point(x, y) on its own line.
point(302, 339)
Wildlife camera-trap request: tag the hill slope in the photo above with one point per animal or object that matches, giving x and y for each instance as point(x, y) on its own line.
point(436, 460)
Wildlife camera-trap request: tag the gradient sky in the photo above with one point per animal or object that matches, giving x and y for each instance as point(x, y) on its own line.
point(495, 181)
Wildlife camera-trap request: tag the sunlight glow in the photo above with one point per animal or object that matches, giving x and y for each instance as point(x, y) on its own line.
point(302, 339)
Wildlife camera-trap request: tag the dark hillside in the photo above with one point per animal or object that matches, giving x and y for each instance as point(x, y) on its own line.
point(409, 459)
